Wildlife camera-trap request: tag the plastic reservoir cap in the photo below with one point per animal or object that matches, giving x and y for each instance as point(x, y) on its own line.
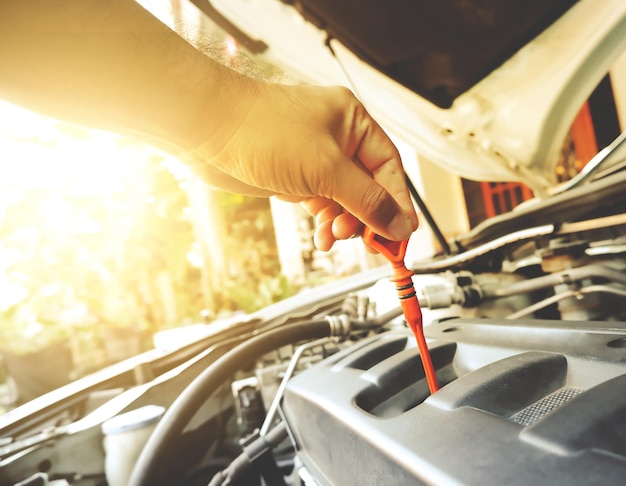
point(135, 419)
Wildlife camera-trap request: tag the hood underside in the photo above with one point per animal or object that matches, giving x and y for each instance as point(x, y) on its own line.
point(486, 89)
point(437, 49)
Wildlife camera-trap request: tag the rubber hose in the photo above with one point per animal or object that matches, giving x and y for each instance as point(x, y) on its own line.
point(150, 469)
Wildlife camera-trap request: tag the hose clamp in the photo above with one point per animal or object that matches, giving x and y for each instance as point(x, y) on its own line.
point(339, 325)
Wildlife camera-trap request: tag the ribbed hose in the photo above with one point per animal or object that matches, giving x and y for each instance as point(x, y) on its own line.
point(151, 467)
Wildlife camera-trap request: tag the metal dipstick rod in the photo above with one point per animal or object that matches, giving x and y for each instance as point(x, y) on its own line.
point(395, 252)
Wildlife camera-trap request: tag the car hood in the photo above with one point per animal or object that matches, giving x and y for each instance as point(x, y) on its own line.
point(485, 89)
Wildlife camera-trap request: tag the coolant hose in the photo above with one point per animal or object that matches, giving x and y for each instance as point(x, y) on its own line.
point(151, 467)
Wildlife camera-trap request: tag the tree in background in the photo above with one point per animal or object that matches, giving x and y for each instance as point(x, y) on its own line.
point(111, 238)
point(95, 259)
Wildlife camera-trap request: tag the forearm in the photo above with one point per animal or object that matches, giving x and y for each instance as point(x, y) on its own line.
point(112, 65)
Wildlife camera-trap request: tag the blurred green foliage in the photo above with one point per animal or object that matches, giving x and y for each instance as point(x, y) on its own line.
point(121, 259)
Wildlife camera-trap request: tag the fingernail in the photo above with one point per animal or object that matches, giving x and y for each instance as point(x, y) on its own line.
point(400, 227)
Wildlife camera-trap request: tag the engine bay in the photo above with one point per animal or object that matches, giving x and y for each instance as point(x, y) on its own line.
point(526, 334)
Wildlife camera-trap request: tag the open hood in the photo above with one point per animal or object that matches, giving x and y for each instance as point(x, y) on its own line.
point(486, 89)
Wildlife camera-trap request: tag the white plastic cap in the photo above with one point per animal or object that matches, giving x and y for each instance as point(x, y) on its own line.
point(135, 419)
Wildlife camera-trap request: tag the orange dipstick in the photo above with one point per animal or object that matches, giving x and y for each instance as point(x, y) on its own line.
point(395, 251)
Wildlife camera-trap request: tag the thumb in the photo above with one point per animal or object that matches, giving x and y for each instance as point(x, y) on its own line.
point(362, 196)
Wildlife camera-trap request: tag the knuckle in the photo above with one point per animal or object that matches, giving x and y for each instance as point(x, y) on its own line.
point(343, 93)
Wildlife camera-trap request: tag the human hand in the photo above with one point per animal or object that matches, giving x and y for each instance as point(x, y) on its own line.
point(313, 145)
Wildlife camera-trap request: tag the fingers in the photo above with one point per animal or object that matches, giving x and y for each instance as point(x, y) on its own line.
point(346, 226)
point(368, 201)
point(368, 179)
point(367, 184)
point(323, 237)
point(332, 222)
point(324, 211)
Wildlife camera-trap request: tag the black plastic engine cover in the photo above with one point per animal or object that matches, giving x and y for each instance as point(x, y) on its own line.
point(535, 402)
point(440, 48)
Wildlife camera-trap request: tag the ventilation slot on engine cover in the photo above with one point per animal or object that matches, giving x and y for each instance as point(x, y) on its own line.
point(540, 408)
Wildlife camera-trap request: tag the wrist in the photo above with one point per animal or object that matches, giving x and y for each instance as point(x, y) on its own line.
point(215, 113)
point(190, 109)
